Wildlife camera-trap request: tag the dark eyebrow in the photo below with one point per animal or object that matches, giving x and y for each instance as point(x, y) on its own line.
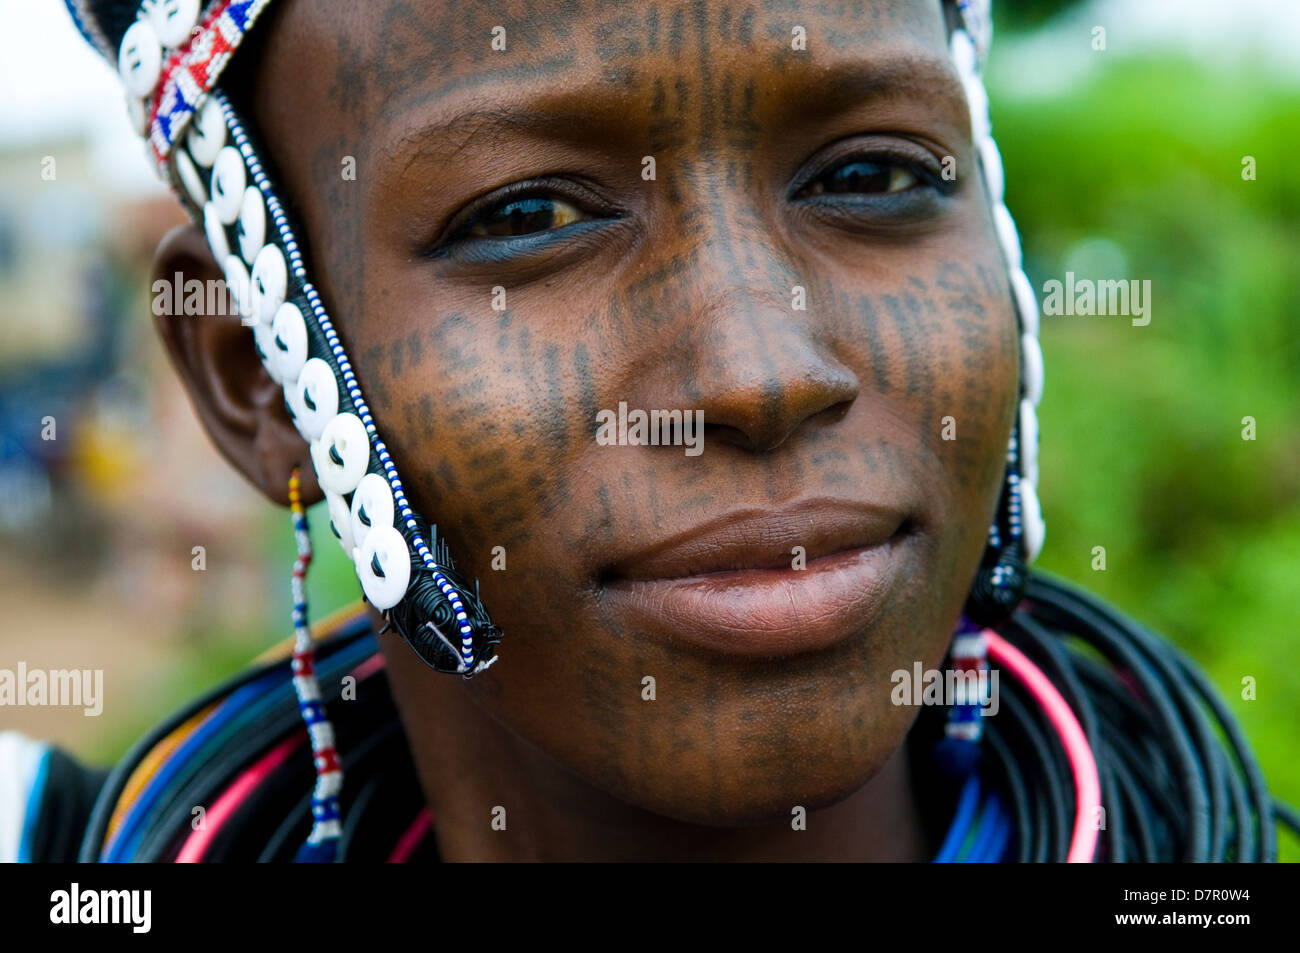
point(915, 73)
point(598, 113)
point(444, 138)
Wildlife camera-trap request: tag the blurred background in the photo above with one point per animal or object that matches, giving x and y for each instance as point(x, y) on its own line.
point(1122, 162)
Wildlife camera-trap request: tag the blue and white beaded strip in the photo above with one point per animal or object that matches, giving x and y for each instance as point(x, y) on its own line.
point(467, 662)
point(1014, 527)
point(1013, 501)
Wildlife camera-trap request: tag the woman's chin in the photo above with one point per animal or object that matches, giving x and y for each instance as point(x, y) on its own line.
point(753, 777)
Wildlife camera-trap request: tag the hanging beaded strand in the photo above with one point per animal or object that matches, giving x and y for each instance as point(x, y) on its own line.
point(322, 843)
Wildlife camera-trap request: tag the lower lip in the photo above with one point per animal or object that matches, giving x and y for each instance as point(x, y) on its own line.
point(765, 613)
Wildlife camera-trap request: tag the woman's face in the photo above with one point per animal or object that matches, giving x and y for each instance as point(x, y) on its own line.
point(808, 260)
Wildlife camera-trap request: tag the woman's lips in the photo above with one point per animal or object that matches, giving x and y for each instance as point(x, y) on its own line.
point(730, 586)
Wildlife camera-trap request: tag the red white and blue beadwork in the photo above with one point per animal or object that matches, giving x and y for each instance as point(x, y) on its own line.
point(193, 69)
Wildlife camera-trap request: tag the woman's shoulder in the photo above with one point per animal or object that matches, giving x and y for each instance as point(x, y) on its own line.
point(229, 777)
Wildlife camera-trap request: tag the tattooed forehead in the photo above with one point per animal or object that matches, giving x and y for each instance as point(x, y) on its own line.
point(424, 99)
point(409, 51)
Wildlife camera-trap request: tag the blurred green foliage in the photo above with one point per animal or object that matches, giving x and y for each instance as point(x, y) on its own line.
point(1019, 15)
point(1142, 427)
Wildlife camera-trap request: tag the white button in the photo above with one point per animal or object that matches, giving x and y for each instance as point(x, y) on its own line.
point(173, 20)
point(384, 567)
point(206, 136)
point(963, 52)
point(270, 282)
point(237, 283)
point(1008, 238)
point(251, 227)
point(139, 59)
point(138, 116)
point(1026, 301)
point(341, 454)
point(190, 178)
point(1031, 362)
point(1031, 520)
point(216, 233)
point(978, 98)
point(264, 341)
point(372, 506)
point(293, 404)
point(994, 177)
point(1028, 442)
point(316, 400)
point(340, 521)
point(289, 341)
point(228, 181)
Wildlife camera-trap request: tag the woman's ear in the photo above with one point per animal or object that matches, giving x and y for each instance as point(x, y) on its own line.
point(239, 405)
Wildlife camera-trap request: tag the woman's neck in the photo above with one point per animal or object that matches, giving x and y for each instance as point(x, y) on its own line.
point(495, 796)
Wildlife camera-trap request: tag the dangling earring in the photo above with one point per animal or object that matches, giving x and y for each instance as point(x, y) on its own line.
point(997, 590)
point(1002, 576)
point(321, 845)
point(999, 586)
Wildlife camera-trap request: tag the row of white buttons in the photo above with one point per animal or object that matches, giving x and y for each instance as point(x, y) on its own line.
point(365, 529)
point(278, 326)
point(1031, 353)
point(340, 446)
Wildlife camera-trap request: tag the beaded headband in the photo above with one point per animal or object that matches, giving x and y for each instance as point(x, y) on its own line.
point(170, 55)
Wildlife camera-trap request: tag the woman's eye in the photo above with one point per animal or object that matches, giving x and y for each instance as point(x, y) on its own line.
point(524, 216)
point(864, 176)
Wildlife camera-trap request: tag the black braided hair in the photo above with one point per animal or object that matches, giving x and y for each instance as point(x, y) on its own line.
point(1179, 782)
